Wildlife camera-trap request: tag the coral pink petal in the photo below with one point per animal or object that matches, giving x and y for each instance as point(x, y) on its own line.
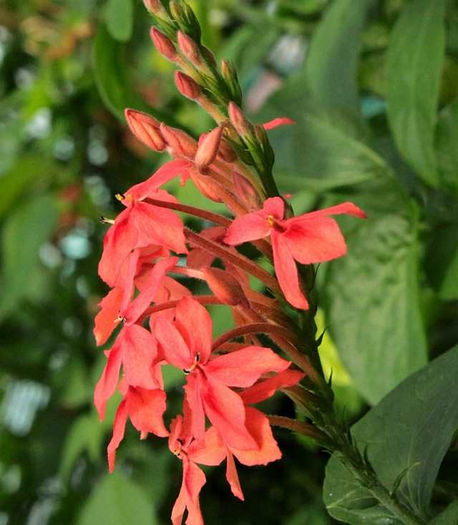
point(233, 477)
point(146, 409)
point(315, 240)
point(195, 324)
point(139, 353)
point(274, 206)
point(173, 346)
point(249, 227)
point(279, 121)
point(119, 427)
point(209, 451)
point(344, 208)
point(109, 379)
point(267, 387)
point(226, 412)
point(244, 367)
point(194, 407)
point(105, 320)
point(286, 271)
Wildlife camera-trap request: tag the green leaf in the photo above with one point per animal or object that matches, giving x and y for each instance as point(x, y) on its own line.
point(446, 141)
point(409, 430)
point(120, 18)
point(117, 500)
point(414, 63)
point(110, 71)
point(372, 294)
point(85, 435)
point(25, 231)
point(449, 287)
point(331, 64)
point(448, 516)
point(323, 150)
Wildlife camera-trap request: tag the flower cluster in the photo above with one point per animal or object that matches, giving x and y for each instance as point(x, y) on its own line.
point(147, 248)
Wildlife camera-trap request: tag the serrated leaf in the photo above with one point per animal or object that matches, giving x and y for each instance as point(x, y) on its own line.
point(120, 18)
point(400, 433)
point(372, 294)
point(117, 500)
point(331, 64)
point(413, 68)
point(25, 231)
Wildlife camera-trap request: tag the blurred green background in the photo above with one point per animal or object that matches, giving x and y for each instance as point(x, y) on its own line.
point(373, 86)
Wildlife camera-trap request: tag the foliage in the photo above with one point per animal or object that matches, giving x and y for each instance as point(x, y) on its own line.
point(375, 100)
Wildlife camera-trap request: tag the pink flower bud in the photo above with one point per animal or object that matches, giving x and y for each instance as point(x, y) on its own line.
point(238, 119)
point(163, 44)
point(226, 152)
point(153, 6)
point(189, 48)
point(180, 142)
point(224, 286)
point(208, 149)
point(187, 86)
point(245, 192)
point(145, 128)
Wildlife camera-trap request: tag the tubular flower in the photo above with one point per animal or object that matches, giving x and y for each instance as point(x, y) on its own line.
point(186, 344)
point(309, 238)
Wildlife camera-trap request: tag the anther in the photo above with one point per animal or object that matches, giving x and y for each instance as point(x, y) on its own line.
point(104, 220)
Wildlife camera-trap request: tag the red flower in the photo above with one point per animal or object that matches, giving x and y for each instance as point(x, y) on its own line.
point(186, 344)
point(207, 451)
point(310, 238)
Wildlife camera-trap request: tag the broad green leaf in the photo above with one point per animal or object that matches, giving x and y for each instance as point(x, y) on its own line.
point(449, 288)
point(372, 294)
point(414, 62)
point(85, 435)
point(25, 231)
point(331, 64)
point(120, 18)
point(117, 500)
point(406, 437)
point(448, 516)
point(446, 141)
point(324, 149)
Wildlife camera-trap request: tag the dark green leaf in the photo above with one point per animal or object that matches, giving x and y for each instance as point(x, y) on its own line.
point(26, 230)
point(372, 294)
point(448, 516)
point(414, 63)
point(410, 429)
point(117, 500)
point(120, 17)
point(446, 146)
point(332, 59)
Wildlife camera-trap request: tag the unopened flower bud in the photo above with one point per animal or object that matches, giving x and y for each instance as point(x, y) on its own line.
point(238, 119)
point(145, 128)
point(187, 86)
point(208, 54)
point(189, 48)
point(186, 19)
point(224, 285)
point(208, 149)
point(180, 142)
point(246, 192)
point(229, 75)
point(154, 6)
point(226, 152)
point(163, 44)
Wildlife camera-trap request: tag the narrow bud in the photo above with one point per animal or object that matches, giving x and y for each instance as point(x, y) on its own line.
point(154, 6)
point(225, 286)
point(238, 119)
point(186, 19)
point(189, 49)
point(180, 142)
point(226, 152)
point(163, 44)
point(208, 149)
point(187, 86)
point(245, 191)
point(229, 75)
point(145, 128)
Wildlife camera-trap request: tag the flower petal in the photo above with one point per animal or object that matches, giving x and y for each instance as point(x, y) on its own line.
point(226, 411)
point(119, 427)
point(139, 354)
point(274, 206)
point(315, 240)
point(232, 477)
point(193, 481)
point(105, 320)
point(345, 208)
point(146, 409)
point(194, 407)
point(174, 348)
point(286, 271)
point(109, 379)
point(208, 451)
point(249, 227)
point(195, 324)
point(267, 387)
point(279, 121)
point(244, 367)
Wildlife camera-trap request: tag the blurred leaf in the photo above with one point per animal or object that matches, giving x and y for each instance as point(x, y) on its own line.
point(117, 500)
point(446, 145)
point(120, 19)
point(24, 233)
point(400, 434)
point(448, 516)
point(85, 435)
point(332, 59)
point(449, 288)
point(372, 294)
point(414, 62)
